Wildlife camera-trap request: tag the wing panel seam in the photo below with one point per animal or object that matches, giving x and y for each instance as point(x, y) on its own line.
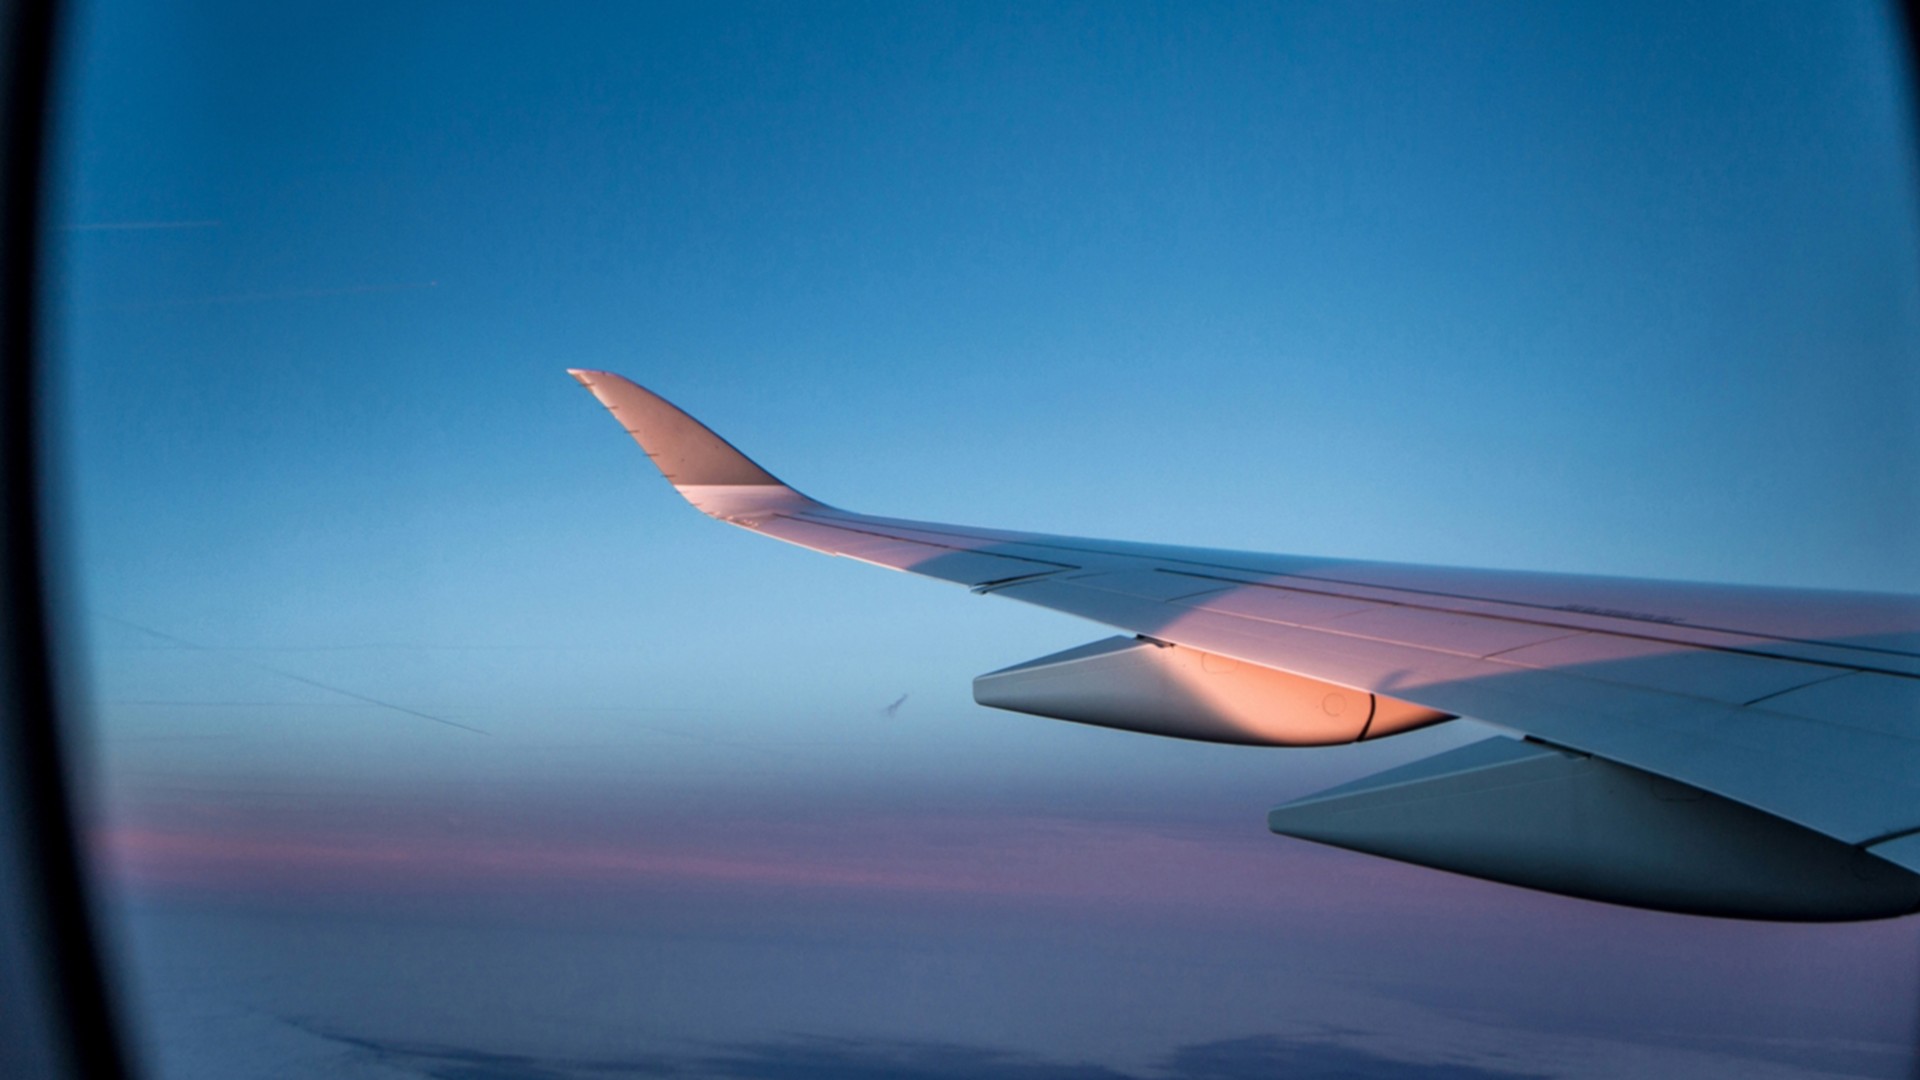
point(1840, 667)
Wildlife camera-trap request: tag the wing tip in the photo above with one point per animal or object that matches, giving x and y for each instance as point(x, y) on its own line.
point(688, 452)
point(586, 377)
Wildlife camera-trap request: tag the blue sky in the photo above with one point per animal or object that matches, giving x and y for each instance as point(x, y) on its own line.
point(1612, 290)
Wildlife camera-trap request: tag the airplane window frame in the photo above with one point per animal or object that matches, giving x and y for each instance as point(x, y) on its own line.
point(55, 1012)
point(56, 1016)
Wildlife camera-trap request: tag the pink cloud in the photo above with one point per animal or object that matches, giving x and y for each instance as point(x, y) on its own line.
point(1006, 857)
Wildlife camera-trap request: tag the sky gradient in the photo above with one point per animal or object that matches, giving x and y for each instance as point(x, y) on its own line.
point(1614, 290)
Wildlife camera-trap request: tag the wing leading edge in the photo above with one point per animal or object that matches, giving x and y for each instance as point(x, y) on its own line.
point(1788, 720)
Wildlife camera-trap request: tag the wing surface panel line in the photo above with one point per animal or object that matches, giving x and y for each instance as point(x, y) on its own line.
point(837, 518)
point(840, 518)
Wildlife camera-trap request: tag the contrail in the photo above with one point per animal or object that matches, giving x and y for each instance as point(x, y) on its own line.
point(230, 655)
point(275, 294)
point(138, 226)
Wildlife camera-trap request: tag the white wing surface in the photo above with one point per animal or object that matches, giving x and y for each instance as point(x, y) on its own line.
point(1700, 748)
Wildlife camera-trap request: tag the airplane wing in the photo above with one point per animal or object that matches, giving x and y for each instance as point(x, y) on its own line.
point(1710, 749)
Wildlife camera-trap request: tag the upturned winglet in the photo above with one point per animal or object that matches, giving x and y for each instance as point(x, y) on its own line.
point(703, 467)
